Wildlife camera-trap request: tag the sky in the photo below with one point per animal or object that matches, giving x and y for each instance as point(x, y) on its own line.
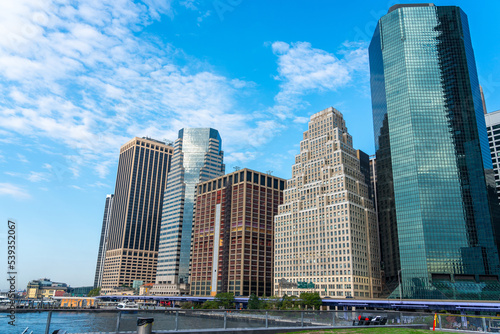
point(79, 78)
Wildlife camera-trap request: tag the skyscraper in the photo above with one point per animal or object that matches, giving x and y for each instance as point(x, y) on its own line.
point(325, 231)
point(493, 129)
point(197, 158)
point(101, 255)
point(234, 233)
point(134, 228)
point(432, 151)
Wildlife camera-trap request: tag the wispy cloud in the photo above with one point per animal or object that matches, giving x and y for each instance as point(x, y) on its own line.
point(22, 158)
point(303, 69)
point(76, 73)
point(12, 190)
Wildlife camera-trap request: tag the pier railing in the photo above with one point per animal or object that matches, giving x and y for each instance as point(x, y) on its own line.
point(166, 321)
point(220, 320)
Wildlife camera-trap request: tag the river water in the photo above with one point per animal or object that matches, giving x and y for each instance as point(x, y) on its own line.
point(85, 322)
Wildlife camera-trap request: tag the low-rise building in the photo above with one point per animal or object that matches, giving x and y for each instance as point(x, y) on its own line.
point(45, 288)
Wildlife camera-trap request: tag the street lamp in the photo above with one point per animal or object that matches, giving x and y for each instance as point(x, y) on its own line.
point(400, 289)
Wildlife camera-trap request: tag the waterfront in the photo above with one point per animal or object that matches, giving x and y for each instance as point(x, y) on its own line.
point(83, 322)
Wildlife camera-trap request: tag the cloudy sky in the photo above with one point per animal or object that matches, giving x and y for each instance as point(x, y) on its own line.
point(80, 78)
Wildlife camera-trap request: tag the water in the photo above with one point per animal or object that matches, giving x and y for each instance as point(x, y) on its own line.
point(84, 322)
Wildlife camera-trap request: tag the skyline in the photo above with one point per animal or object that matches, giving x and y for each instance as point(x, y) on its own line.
point(76, 85)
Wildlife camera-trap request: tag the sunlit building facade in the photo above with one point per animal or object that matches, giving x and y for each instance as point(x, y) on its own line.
point(233, 234)
point(325, 230)
point(134, 227)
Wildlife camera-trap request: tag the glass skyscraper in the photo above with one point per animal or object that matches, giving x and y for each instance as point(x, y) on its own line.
point(197, 158)
point(432, 151)
point(101, 255)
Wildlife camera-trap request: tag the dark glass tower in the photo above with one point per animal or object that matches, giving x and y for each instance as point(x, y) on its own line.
point(432, 151)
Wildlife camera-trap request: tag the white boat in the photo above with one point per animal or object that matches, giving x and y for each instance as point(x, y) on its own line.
point(128, 306)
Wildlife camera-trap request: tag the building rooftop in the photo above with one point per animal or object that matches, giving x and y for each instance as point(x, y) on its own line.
point(393, 8)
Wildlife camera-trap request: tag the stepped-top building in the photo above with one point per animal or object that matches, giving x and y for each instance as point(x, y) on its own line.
point(325, 231)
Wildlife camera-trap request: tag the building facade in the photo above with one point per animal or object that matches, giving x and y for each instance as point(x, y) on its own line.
point(44, 288)
point(134, 228)
point(233, 234)
point(325, 231)
point(101, 255)
point(432, 152)
point(197, 158)
point(493, 129)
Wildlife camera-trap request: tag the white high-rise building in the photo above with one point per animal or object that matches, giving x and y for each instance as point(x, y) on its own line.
point(326, 231)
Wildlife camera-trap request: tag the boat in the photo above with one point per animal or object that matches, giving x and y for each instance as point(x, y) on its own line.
point(130, 307)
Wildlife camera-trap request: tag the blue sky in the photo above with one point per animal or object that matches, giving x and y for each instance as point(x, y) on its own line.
point(80, 78)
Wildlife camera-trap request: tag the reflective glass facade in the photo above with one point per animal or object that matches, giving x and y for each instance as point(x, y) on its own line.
point(197, 158)
point(432, 150)
point(101, 255)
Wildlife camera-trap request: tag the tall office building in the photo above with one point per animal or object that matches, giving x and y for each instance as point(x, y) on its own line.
point(134, 228)
point(432, 151)
point(101, 255)
point(325, 230)
point(234, 234)
point(197, 158)
point(493, 130)
point(493, 176)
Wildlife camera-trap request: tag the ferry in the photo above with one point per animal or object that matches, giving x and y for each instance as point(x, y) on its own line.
point(128, 307)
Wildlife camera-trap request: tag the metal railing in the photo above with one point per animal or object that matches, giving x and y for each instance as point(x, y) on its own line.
point(184, 320)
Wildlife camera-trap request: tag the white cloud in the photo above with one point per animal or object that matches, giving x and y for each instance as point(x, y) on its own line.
point(303, 69)
point(22, 158)
point(37, 177)
point(9, 189)
point(76, 73)
point(240, 157)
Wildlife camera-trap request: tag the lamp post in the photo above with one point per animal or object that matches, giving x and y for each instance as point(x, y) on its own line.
point(400, 290)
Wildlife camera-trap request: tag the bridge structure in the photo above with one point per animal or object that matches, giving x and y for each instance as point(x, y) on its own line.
point(460, 306)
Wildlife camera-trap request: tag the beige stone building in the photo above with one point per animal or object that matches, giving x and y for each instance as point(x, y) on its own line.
point(325, 230)
point(134, 229)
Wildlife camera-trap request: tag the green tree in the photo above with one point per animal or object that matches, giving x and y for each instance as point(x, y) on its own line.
point(94, 292)
point(225, 299)
point(311, 299)
point(210, 305)
point(273, 303)
point(254, 302)
point(289, 303)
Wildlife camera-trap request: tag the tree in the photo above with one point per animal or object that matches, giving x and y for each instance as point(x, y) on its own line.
point(210, 305)
point(254, 302)
point(273, 303)
point(94, 292)
point(311, 299)
point(225, 299)
point(289, 303)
